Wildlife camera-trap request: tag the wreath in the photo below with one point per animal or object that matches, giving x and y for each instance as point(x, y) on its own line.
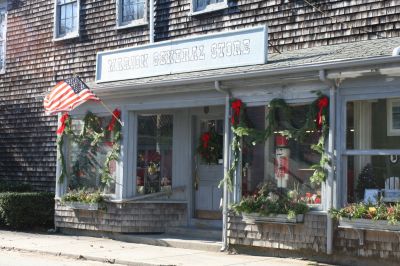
point(210, 148)
point(88, 141)
point(317, 119)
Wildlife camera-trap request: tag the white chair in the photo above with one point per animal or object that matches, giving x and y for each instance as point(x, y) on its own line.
point(391, 193)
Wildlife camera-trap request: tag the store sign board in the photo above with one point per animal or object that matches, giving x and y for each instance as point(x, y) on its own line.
point(212, 51)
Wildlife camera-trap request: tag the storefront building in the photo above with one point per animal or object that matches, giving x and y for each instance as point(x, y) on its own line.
point(163, 180)
point(174, 98)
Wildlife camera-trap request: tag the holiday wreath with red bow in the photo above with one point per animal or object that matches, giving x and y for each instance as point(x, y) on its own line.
point(210, 147)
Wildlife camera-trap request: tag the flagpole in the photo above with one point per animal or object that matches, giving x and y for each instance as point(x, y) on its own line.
point(108, 109)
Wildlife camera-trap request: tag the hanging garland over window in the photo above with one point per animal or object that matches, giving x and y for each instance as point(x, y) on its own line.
point(316, 120)
point(89, 138)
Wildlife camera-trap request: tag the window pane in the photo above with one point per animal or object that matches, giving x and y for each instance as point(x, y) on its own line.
point(68, 11)
point(202, 4)
point(68, 25)
point(132, 10)
point(86, 161)
point(286, 163)
point(2, 24)
point(67, 16)
point(154, 153)
point(372, 174)
point(1, 55)
point(395, 117)
point(373, 124)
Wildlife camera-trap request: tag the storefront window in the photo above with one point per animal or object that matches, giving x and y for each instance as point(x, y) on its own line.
point(285, 162)
point(87, 156)
point(154, 153)
point(372, 142)
point(370, 177)
point(373, 124)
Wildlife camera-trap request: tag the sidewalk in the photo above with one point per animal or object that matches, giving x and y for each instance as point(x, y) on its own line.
point(106, 250)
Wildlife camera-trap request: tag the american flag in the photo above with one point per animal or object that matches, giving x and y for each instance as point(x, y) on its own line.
point(67, 95)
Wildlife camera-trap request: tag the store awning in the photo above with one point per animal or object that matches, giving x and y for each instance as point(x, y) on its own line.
point(288, 66)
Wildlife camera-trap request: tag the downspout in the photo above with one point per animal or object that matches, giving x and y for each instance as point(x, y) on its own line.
point(151, 21)
point(329, 185)
point(218, 88)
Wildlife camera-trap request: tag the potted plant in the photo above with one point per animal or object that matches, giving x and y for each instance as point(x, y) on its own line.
point(271, 205)
point(377, 216)
point(83, 199)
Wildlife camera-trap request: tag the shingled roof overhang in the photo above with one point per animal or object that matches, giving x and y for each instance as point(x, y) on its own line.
point(291, 66)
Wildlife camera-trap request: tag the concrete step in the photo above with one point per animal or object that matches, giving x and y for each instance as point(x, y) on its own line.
point(195, 241)
point(175, 241)
point(205, 233)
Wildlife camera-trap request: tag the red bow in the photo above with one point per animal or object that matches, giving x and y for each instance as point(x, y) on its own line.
point(321, 104)
point(205, 139)
point(63, 120)
point(116, 114)
point(236, 106)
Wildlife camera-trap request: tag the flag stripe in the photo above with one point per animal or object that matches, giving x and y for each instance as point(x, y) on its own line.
point(73, 99)
point(67, 95)
point(58, 95)
point(59, 91)
point(57, 102)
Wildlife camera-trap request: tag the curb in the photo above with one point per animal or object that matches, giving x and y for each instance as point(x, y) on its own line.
point(78, 257)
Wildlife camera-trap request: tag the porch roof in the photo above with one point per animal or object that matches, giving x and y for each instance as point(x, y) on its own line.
point(367, 54)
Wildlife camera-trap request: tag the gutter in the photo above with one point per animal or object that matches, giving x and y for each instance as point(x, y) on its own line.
point(151, 21)
point(227, 93)
point(329, 184)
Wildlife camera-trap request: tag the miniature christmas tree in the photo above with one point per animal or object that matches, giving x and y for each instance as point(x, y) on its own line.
point(365, 180)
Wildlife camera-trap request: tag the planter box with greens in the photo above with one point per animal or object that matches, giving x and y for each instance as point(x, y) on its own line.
point(272, 205)
point(369, 216)
point(83, 199)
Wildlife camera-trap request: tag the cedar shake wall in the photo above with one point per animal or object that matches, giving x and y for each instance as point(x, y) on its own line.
point(309, 235)
point(27, 139)
point(134, 217)
point(34, 63)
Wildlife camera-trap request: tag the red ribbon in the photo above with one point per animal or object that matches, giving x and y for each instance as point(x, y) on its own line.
point(63, 120)
point(321, 104)
point(205, 139)
point(116, 114)
point(236, 106)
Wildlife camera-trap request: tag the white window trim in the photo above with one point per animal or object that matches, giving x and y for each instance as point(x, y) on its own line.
point(3, 70)
point(389, 104)
point(133, 23)
point(210, 8)
point(70, 35)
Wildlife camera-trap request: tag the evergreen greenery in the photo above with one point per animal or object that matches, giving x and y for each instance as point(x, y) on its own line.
point(88, 141)
point(26, 210)
point(280, 110)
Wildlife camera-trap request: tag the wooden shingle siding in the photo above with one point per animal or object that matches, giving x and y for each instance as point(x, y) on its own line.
point(34, 63)
point(27, 141)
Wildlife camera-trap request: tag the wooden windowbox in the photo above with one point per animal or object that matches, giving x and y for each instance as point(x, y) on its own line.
point(82, 206)
point(277, 218)
point(367, 224)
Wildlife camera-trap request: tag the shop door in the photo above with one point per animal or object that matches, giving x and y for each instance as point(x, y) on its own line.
point(208, 168)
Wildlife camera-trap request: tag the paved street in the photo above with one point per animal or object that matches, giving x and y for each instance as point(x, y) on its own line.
point(18, 249)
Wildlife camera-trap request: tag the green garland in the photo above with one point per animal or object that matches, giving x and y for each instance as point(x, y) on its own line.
point(241, 128)
point(93, 133)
